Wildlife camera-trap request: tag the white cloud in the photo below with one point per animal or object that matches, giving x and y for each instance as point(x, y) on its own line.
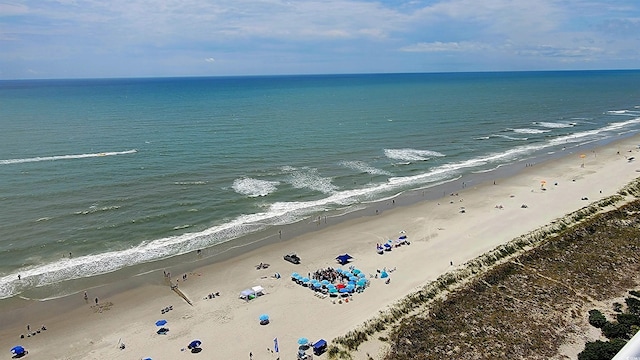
point(313, 35)
point(438, 46)
point(8, 9)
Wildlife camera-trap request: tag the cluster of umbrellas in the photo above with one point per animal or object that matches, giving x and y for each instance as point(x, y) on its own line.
point(387, 246)
point(163, 330)
point(356, 280)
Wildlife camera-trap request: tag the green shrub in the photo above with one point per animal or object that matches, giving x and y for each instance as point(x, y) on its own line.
point(633, 305)
point(615, 330)
point(635, 293)
point(628, 319)
point(596, 319)
point(599, 350)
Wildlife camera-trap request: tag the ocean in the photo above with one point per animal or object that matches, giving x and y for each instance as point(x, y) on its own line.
point(117, 176)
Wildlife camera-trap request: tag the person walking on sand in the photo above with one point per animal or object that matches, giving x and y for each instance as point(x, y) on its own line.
point(250, 356)
point(96, 301)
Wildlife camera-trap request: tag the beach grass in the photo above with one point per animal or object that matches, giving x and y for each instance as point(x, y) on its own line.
point(525, 298)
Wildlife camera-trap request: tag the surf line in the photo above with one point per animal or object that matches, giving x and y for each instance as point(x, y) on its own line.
point(65, 157)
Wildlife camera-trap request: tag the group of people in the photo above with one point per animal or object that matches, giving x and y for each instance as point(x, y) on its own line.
point(329, 274)
point(33, 333)
point(212, 295)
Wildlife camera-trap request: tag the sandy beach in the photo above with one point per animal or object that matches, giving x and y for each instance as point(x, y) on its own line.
point(443, 233)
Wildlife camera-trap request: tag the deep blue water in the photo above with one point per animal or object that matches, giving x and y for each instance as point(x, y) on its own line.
point(120, 172)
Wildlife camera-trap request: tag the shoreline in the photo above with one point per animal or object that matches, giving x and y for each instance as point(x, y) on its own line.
point(110, 282)
point(439, 232)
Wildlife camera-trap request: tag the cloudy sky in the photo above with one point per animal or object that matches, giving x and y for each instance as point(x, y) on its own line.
point(141, 38)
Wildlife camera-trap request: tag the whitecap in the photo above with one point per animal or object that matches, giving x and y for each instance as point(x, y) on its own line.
point(309, 178)
point(66, 157)
point(529, 131)
point(254, 187)
point(509, 137)
point(411, 154)
point(554, 125)
point(364, 167)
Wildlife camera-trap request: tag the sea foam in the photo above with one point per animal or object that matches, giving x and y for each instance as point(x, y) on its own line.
point(411, 154)
point(254, 187)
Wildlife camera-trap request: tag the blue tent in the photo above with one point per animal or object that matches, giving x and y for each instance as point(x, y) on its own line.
point(343, 259)
point(384, 274)
point(319, 347)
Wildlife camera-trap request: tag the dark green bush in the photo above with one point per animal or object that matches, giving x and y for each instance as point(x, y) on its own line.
point(600, 350)
point(597, 319)
point(633, 305)
point(628, 319)
point(635, 293)
point(615, 330)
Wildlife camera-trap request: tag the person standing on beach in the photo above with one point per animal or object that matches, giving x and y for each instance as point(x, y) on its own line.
point(96, 301)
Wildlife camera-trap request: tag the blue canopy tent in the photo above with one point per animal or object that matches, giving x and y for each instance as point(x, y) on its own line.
point(343, 259)
point(319, 347)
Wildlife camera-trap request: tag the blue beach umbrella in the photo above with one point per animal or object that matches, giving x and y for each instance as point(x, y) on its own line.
point(303, 341)
point(333, 290)
point(305, 279)
point(343, 290)
point(361, 282)
point(161, 322)
point(294, 274)
point(264, 317)
point(362, 275)
point(194, 344)
point(325, 282)
point(18, 350)
point(353, 278)
point(339, 271)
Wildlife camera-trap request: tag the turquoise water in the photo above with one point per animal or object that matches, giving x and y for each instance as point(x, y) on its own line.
point(121, 172)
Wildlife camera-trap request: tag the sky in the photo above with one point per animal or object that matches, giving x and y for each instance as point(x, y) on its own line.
point(156, 38)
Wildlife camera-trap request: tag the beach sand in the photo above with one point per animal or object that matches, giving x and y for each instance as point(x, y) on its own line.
point(441, 234)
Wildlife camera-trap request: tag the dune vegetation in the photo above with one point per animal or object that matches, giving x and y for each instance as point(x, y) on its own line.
point(525, 299)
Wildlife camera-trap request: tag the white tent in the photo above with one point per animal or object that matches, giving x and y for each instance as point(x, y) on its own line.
point(251, 293)
point(258, 290)
point(246, 293)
